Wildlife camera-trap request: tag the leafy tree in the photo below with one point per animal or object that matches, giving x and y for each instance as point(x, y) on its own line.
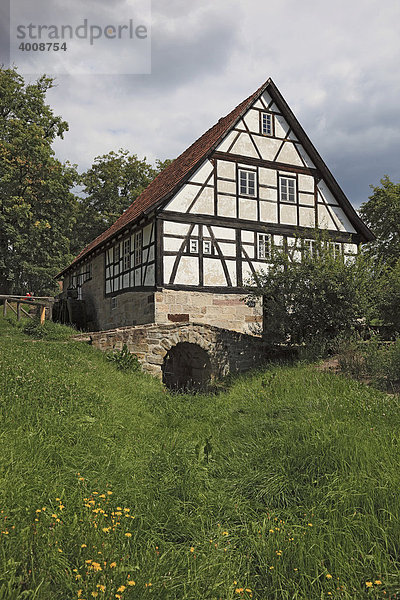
point(382, 214)
point(318, 297)
point(36, 205)
point(388, 304)
point(110, 186)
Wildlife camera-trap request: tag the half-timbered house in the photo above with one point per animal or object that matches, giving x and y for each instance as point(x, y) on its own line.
point(185, 248)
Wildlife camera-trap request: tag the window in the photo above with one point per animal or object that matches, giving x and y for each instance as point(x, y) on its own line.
point(263, 246)
point(116, 253)
point(207, 247)
point(266, 124)
point(247, 183)
point(335, 248)
point(127, 254)
point(309, 247)
point(287, 189)
point(138, 248)
point(193, 246)
point(113, 303)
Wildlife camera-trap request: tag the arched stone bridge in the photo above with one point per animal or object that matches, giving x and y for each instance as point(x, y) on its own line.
point(184, 354)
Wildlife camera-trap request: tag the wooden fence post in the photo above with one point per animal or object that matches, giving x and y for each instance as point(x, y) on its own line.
point(5, 308)
point(42, 314)
point(18, 311)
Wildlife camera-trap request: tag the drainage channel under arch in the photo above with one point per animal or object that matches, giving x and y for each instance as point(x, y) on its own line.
point(186, 367)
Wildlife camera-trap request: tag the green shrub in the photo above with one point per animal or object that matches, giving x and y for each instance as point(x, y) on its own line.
point(48, 331)
point(124, 360)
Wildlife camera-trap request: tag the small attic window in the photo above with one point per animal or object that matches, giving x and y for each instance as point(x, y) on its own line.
point(266, 124)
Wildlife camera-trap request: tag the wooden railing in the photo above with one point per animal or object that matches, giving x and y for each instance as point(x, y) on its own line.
point(42, 302)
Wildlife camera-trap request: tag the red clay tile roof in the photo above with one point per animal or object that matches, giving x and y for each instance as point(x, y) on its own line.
point(173, 176)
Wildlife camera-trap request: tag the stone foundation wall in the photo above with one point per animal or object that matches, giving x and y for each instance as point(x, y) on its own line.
point(227, 311)
point(229, 351)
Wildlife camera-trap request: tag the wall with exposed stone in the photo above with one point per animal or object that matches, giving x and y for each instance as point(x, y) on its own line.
point(229, 351)
point(228, 311)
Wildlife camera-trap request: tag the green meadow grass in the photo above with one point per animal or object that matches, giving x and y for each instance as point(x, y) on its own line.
point(284, 486)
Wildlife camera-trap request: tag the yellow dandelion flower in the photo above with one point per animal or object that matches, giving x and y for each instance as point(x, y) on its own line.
point(79, 593)
point(368, 584)
point(102, 496)
point(95, 594)
point(58, 500)
point(81, 479)
point(239, 590)
point(225, 533)
point(121, 588)
point(118, 596)
point(61, 506)
point(101, 587)
point(109, 492)
point(112, 565)
point(126, 509)
point(128, 535)
point(310, 524)
point(271, 568)
point(54, 516)
point(192, 549)
point(248, 590)
point(272, 531)
point(106, 529)
point(328, 576)
point(83, 546)
point(44, 508)
point(131, 582)
point(38, 510)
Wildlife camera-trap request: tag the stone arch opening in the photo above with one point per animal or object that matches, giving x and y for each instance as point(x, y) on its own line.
point(186, 366)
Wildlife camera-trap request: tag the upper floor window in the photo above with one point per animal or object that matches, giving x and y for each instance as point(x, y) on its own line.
point(116, 253)
point(310, 247)
point(335, 248)
point(247, 183)
point(263, 246)
point(287, 189)
point(138, 248)
point(127, 254)
point(266, 124)
point(207, 247)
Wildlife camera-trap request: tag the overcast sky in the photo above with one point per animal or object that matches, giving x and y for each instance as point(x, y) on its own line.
point(336, 63)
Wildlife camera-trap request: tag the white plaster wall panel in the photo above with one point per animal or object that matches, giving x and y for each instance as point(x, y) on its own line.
point(296, 255)
point(268, 194)
point(224, 233)
point(291, 241)
point(278, 240)
point(268, 212)
point(244, 146)
point(172, 244)
point(267, 176)
point(213, 273)
point(324, 219)
point(249, 249)
point(266, 98)
point(306, 217)
point(247, 236)
point(252, 120)
point(204, 204)
point(231, 265)
point(306, 199)
point(227, 249)
point(226, 186)
point(349, 259)
point(188, 271)
point(226, 206)
point(240, 125)
point(150, 279)
point(258, 104)
point(226, 169)
point(288, 215)
point(138, 277)
point(247, 209)
point(326, 193)
point(350, 248)
point(151, 252)
point(183, 199)
point(178, 228)
point(289, 155)
point(226, 142)
point(144, 256)
point(246, 273)
point(132, 261)
point(146, 236)
point(306, 183)
point(281, 127)
point(202, 173)
point(267, 147)
point(167, 267)
point(307, 160)
point(341, 220)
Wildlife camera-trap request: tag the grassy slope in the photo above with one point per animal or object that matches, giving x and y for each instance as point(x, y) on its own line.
point(286, 485)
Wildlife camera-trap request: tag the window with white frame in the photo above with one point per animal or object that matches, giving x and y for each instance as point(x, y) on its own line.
point(287, 186)
point(127, 254)
point(193, 245)
point(263, 246)
point(266, 123)
point(247, 183)
point(207, 247)
point(335, 248)
point(138, 248)
point(310, 247)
